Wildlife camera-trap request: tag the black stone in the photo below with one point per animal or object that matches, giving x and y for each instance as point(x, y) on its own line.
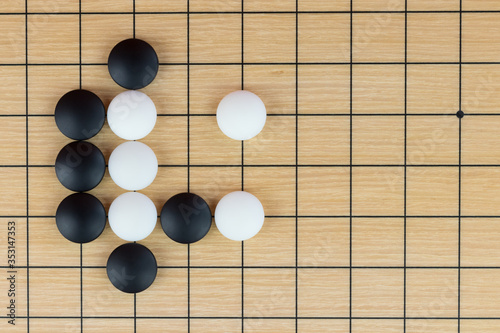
point(80, 166)
point(186, 218)
point(460, 114)
point(79, 114)
point(133, 64)
point(81, 217)
point(131, 268)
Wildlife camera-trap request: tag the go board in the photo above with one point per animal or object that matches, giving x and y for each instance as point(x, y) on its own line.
point(382, 200)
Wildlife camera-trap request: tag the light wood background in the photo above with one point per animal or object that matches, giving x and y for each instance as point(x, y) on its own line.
point(383, 207)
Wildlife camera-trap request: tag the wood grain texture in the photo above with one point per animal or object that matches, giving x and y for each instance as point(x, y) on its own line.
point(299, 166)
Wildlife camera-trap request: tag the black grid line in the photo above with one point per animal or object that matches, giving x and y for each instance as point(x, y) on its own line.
point(242, 166)
point(459, 172)
point(350, 159)
point(27, 174)
point(296, 165)
point(405, 166)
point(188, 151)
point(257, 12)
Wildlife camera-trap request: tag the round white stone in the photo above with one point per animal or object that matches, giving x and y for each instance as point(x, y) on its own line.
point(133, 165)
point(239, 216)
point(131, 115)
point(241, 115)
point(132, 216)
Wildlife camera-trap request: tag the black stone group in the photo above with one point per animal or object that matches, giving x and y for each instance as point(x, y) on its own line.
point(80, 166)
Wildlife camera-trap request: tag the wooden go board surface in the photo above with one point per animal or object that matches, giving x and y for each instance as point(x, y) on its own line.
point(383, 206)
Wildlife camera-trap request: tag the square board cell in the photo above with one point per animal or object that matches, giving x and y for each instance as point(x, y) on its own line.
point(432, 140)
point(12, 42)
point(21, 297)
point(214, 325)
point(269, 38)
point(378, 140)
point(269, 5)
point(208, 84)
point(323, 140)
point(479, 191)
point(323, 292)
point(323, 242)
point(274, 245)
point(167, 252)
point(168, 182)
point(480, 293)
point(53, 37)
point(432, 5)
point(263, 182)
point(433, 37)
point(324, 5)
point(13, 6)
point(58, 325)
point(167, 34)
point(43, 234)
point(97, 252)
point(480, 140)
point(432, 191)
point(433, 88)
point(107, 5)
point(377, 325)
point(378, 89)
point(209, 146)
point(323, 325)
point(218, 6)
point(324, 38)
point(323, 191)
point(54, 290)
point(275, 85)
point(115, 325)
point(13, 141)
point(479, 240)
point(13, 89)
point(208, 253)
point(324, 89)
point(100, 33)
point(162, 6)
point(480, 86)
point(431, 326)
point(99, 294)
point(96, 78)
point(47, 84)
point(275, 145)
point(163, 325)
point(485, 325)
point(378, 37)
point(378, 191)
point(52, 6)
point(376, 5)
point(44, 140)
point(269, 292)
point(480, 38)
point(269, 325)
point(169, 130)
point(432, 293)
point(481, 5)
point(432, 242)
point(222, 299)
point(215, 38)
point(377, 292)
point(378, 242)
point(13, 191)
point(166, 297)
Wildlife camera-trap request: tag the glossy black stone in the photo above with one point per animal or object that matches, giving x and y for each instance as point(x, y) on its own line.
point(79, 114)
point(133, 64)
point(186, 218)
point(131, 268)
point(81, 217)
point(80, 166)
